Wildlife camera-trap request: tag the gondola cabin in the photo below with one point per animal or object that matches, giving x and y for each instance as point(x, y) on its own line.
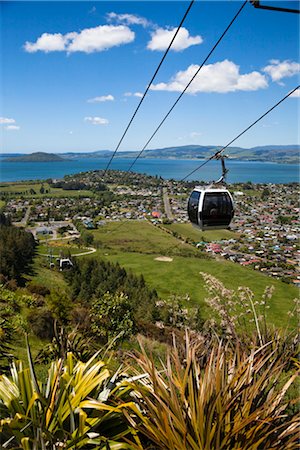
point(210, 209)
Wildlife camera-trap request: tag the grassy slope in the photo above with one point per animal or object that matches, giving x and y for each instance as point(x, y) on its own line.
point(187, 230)
point(135, 245)
point(182, 274)
point(52, 279)
point(24, 188)
point(140, 237)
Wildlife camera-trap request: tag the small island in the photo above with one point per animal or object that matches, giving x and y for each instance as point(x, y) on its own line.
point(36, 157)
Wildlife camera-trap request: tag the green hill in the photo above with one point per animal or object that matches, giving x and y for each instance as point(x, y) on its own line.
point(36, 157)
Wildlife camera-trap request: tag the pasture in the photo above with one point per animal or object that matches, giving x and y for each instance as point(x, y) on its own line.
point(32, 190)
point(188, 231)
point(141, 237)
point(136, 245)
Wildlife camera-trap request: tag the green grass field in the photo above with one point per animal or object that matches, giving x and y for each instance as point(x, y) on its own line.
point(2, 204)
point(187, 230)
point(182, 276)
point(141, 237)
point(136, 245)
point(15, 189)
point(51, 279)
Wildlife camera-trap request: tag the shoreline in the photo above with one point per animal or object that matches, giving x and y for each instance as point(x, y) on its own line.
point(240, 171)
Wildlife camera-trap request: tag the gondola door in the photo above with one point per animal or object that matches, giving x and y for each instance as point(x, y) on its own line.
point(193, 207)
point(217, 209)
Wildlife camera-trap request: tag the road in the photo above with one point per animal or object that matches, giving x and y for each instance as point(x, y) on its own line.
point(23, 222)
point(167, 205)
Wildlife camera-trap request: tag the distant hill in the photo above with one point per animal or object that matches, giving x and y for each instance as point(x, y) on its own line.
point(96, 154)
point(36, 157)
point(273, 153)
point(268, 153)
point(287, 154)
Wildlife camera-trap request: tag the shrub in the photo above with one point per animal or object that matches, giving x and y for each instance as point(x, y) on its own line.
point(80, 318)
point(38, 289)
point(112, 315)
point(42, 323)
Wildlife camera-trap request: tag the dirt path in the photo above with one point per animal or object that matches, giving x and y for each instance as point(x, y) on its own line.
point(88, 252)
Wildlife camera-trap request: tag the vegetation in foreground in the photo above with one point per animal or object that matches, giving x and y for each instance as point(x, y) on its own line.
point(221, 395)
point(228, 383)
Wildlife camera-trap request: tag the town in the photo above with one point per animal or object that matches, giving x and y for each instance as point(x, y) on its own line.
point(264, 230)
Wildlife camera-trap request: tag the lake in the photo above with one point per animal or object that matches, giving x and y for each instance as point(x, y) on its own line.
point(239, 171)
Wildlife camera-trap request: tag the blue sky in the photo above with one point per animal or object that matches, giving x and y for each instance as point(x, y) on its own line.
point(73, 72)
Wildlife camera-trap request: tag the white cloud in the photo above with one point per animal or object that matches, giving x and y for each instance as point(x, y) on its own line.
point(220, 77)
point(100, 38)
point(5, 120)
point(88, 40)
point(161, 38)
point(102, 98)
point(133, 94)
point(195, 134)
point(296, 93)
point(128, 19)
point(47, 43)
point(281, 69)
point(96, 120)
point(12, 127)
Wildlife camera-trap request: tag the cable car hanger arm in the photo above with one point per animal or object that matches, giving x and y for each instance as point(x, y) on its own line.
point(224, 170)
point(219, 152)
point(256, 4)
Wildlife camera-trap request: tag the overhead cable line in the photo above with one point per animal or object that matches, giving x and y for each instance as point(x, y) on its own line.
point(188, 85)
point(219, 152)
point(149, 84)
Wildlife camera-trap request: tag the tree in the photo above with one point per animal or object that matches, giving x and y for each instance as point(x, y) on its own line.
point(92, 278)
point(17, 249)
point(265, 194)
point(111, 315)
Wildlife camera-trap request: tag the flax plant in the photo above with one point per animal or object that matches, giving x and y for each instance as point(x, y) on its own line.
point(232, 403)
point(61, 412)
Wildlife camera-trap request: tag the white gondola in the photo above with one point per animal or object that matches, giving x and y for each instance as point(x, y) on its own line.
point(210, 209)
